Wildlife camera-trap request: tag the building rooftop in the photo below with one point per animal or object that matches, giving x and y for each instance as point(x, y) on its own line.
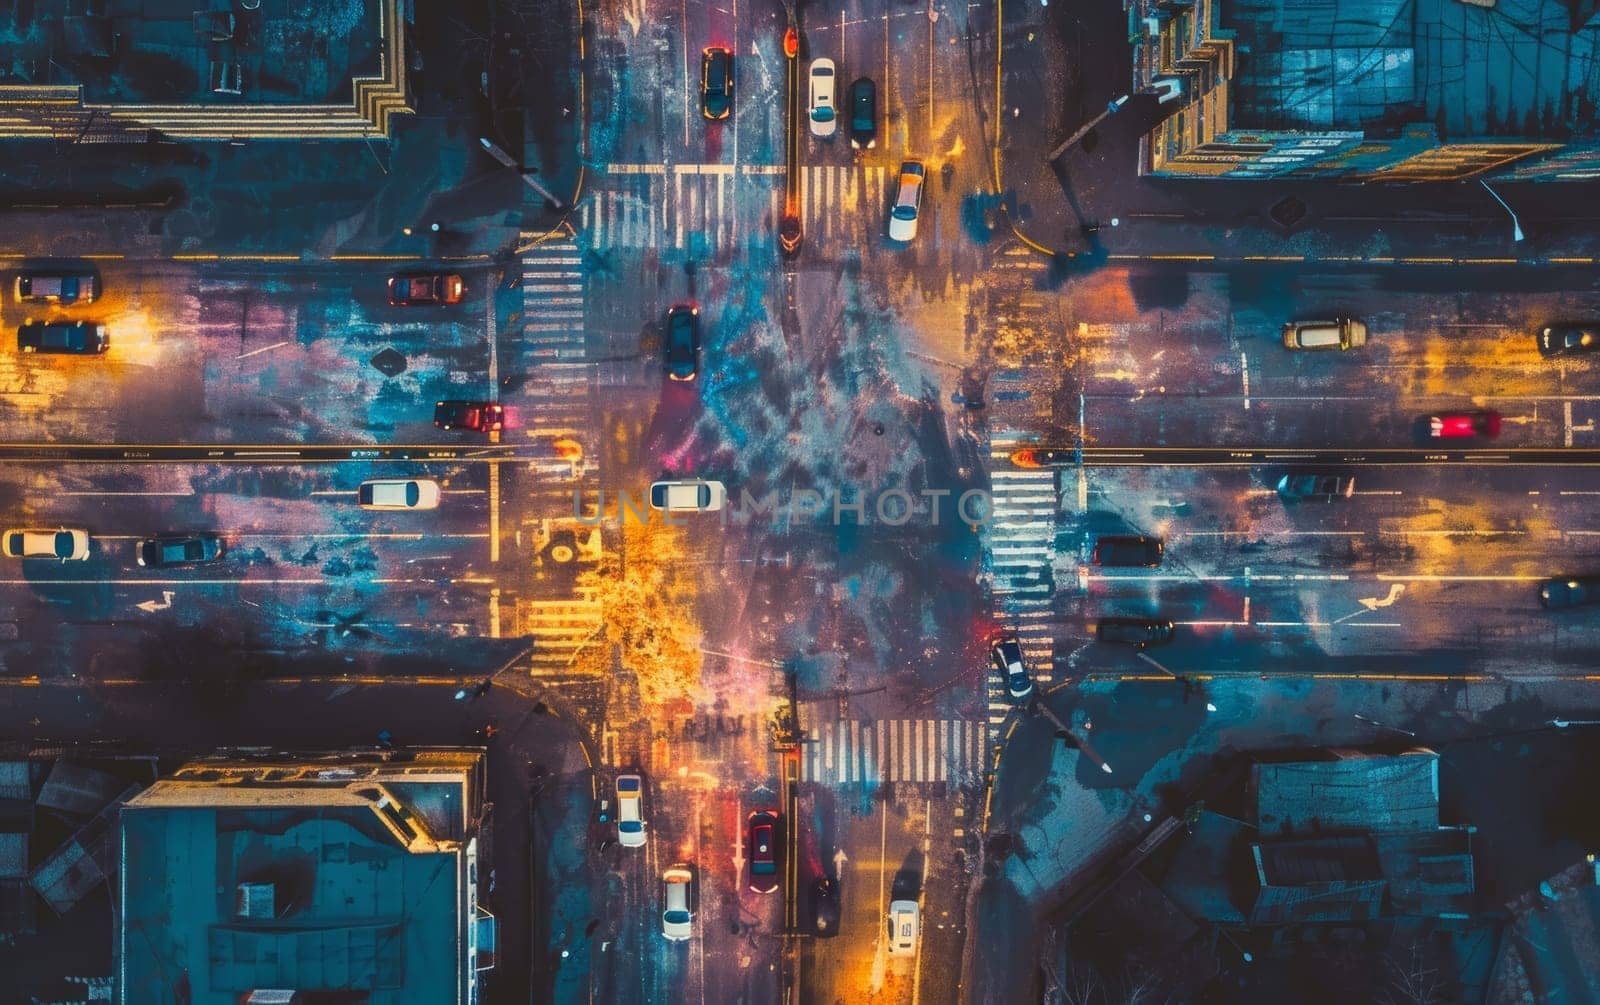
point(1362, 793)
point(1512, 68)
point(245, 876)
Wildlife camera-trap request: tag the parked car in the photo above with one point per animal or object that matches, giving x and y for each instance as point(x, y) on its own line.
point(1128, 550)
point(1005, 652)
point(57, 287)
point(904, 927)
point(478, 416)
point(1569, 591)
point(907, 202)
point(762, 835)
point(824, 117)
point(64, 544)
point(438, 289)
point(716, 82)
point(1459, 425)
point(677, 898)
point(824, 907)
point(178, 549)
point(1339, 333)
point(1294, 487)
point(84, 338)
point(863, 114)
point(630, 811)
point(399, 493)
point(695, 496)
point(1134, 631)
point(1568, 339)
point(683, 342)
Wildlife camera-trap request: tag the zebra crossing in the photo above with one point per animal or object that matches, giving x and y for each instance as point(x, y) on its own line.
point(559, 628)
point(894, 750)
point(553, 303)
point(1020, 537)
point(706, 208)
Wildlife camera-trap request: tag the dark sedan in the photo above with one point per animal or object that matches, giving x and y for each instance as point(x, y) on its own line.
point(716, 82)
point(440, 289)
point(683, 342)
point(1134, 631)
point(1005, 652)
point(825, 907)
point(1294, 487)
point(1569, 591)
point(863, 114)
point(478, 416)
point(83, 338)
point(1568, 340)
point(178, 549)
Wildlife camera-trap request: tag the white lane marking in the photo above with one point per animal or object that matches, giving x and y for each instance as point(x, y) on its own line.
point(276, 345)
point(1289, 624)
point(282, 581)
point(1384, 577)
point(1566, 423)
point(1244, 373)
point(188, 493)
point(1246, 615)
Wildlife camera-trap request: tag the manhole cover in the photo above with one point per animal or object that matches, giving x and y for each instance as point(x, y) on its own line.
point(390, 362)
point(1288, 211)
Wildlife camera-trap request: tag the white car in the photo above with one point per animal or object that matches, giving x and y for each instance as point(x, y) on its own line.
point(904, 922)
point(907, 202)
point(677, 919)
point(697, 496)
point(63, 544)
point(630, 811)
point(824, 116)
point(399, 493)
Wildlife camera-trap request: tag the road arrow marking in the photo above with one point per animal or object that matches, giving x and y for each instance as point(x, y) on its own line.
point(1373, 603)
point(839, 859)
point(151, 606)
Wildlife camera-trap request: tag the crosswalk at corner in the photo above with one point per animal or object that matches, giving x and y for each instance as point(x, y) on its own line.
point(553, 303)
point(1019, 546)
point(844, 751)
point(559, 630)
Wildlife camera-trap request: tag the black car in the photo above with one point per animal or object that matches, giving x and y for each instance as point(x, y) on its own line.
point(1569, 591)
point(478, 416)
point(1005, 652)
point(683, 342)
point(716, 82)
point(79, 337)
point(178, 549)
point(1134, 631)
point(1294, 487)
point(762, 835)
point(864, 114)
point(1128, 550)
point(824, 907)
point(1568, 339)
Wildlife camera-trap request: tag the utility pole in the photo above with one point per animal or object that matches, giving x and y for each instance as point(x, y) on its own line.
point(527, 176)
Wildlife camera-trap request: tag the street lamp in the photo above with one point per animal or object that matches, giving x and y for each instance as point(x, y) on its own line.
point(1564, 723)
point(1381, 725)
point(1516, 228)
point(1180, 678)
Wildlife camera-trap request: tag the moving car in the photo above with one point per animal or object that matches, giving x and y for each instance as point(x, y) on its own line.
point(630, 811)
point(1458, 425)
point(1569, 591)
point(677, 897)
point(1134, 631)
point(478, 416)
point(1568, 340)
point(64, 544)
point(824, 117)
point(763, 851)
point(688, 496)
point(439, 289)
point(178, 549)
point(683, 342)
point(1128, 550)
point(904, 926)
point(399, 493)
point(716, 82)
point(1340, 333)
point(907, 202)
point(824, 907)
point(56, 287)
point(863, 114)
point(80, 337)
point(1294, 487)
point(1005, 652)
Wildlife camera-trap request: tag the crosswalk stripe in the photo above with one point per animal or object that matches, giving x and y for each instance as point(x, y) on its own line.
point(894, 750)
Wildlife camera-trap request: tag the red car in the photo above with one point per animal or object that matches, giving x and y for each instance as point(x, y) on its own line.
point(763, 851)
point(1458, 425)
point(436, 290)
point(478, 416)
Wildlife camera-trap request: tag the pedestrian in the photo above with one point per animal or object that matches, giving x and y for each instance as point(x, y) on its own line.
point(489, 731)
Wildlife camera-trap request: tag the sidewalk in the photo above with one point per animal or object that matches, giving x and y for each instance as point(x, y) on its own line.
point(1062, 64)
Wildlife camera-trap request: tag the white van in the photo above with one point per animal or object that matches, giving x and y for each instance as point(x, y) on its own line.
point(1340, 333)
